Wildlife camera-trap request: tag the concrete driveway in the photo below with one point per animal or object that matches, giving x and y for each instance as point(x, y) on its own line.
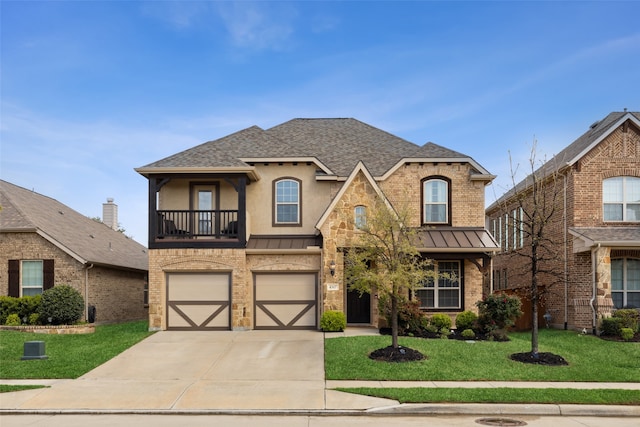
point(253, 370)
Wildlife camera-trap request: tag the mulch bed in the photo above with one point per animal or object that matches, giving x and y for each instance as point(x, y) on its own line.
point(548, 359)
point(400, 354)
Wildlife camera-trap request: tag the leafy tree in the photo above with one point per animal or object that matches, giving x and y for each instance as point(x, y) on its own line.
point(385, 258)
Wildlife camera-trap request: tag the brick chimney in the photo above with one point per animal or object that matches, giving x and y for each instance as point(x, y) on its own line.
point(110, 214)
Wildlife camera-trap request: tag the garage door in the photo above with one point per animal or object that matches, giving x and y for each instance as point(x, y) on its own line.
point(286, 301)
point(198, 301)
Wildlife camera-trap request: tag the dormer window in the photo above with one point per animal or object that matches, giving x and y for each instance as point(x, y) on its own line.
point(621, 199)
point(287, 202)
point(435, 200)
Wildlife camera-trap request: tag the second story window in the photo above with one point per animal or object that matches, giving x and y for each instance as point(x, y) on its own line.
point(360, 216)
point(435, 198)
point(287, 202)
point(621, 199)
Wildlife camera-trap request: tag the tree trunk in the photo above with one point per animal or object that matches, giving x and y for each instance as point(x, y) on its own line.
point(534, 299)
point(394, 321)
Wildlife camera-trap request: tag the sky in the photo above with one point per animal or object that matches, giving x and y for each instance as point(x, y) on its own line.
point(91, 90)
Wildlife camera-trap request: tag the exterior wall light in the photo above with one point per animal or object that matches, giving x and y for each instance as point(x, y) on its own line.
point(332, 268)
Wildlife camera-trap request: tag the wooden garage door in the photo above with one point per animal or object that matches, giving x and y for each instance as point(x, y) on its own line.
point(286, 301)
point(198, 301)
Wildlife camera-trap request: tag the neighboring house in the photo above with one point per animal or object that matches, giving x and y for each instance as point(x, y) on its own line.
point(249, 231)
point(44, 243)
point(596, 228)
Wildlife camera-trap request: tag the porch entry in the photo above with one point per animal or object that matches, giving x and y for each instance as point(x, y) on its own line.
point(358, 307)
point(199, 301)
point(285, 300)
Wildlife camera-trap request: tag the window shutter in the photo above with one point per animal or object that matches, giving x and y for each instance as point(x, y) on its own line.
point(14, 278)
point(48, 274)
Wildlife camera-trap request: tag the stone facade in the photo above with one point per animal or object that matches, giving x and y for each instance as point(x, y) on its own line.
point(118, 295)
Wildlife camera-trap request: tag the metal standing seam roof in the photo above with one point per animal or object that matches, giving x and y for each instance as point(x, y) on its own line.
point(283, 242)
point(80, 236)
point(455, 239)
point(338, 143)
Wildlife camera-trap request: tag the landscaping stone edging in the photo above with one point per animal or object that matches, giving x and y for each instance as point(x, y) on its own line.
point(51, 329)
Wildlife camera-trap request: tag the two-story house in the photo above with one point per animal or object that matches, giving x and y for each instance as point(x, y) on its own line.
point(249, 231)
point(595, 228)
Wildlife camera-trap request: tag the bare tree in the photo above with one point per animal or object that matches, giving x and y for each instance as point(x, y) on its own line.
point(385, 259)
point(535, 201)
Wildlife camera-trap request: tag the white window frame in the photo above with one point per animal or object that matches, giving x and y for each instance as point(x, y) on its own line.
point(279, 193)
point(439, 285)
point(506, 232)
point(624, 281)
point(34, 283)
point(427, 202)
point(622, 199)
point(521, 227)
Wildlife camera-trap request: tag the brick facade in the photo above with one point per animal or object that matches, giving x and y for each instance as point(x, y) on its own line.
point(118, 295)
point(568, 289)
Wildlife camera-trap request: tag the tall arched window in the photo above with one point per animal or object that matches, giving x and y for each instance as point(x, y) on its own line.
point(435, 200)
point(287, 202)
point(621, 199)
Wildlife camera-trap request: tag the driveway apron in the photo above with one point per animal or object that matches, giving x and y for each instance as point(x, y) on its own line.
point(201, 370)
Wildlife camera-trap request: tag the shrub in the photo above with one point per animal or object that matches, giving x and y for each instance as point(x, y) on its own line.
point(626, 334)
point(8, 305)
point(34, 319)
point(630, 318)
point(13, 320)
point(333, 321)
point(411, 320)
point(24, 307)
point(468, 334)
point(466, 320)
point(611, 326)
point(62, 304)
point(498, 312)
point(442, 322)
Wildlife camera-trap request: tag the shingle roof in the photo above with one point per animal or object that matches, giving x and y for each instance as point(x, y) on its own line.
point(573, 151)
point(627, 236)
point(339, 144)
point(87, 240)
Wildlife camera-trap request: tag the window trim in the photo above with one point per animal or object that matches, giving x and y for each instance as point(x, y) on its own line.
point(447, 204)
point(275, 222)
point(436, 288)
point(624, 202)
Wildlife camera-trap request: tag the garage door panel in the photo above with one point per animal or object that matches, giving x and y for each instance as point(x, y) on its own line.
point(286, 301)
point(198, 301)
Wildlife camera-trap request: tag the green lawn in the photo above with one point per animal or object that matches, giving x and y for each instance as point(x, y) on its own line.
point(70, 356)
point(589, 357)
point(503, 395)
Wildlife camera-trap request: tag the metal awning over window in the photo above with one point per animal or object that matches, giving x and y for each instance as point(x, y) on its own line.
point(455, 239)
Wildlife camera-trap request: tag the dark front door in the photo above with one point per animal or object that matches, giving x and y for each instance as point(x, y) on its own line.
point(358, 307)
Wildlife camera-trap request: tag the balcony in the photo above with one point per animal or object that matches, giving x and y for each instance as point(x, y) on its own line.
point(197, 228)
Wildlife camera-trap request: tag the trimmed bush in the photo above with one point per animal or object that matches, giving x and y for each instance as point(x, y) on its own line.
point(34, 319)
point(411, 320)
point(8, 305)
point(498, 312)
point(468, 334)
point(611, 326)
point(442, 322)
point(62, 304)
point(626, 334)
point(630, 318)
point(24, 307)
point(466, 320)
point(13, 320)
point(333, 321)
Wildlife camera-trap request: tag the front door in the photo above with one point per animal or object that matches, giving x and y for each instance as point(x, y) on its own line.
point(358, 307)
point(205, 202)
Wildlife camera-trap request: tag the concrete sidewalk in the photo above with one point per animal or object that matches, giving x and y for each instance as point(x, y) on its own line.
point(249, 372)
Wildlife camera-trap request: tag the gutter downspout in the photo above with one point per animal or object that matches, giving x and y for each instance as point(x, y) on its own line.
point(566, 256)
point(595, 286)
point(86, 292)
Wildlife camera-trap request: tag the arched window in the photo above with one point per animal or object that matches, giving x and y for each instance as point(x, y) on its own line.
point(625, 282)
point(435, 201)
point(360, 216)
point(621, 199)
point(287, 202)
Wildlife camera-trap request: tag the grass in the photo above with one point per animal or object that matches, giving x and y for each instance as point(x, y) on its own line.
point(4, 388)
point(69, 356)
point(589, 358)
point(503, 395)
